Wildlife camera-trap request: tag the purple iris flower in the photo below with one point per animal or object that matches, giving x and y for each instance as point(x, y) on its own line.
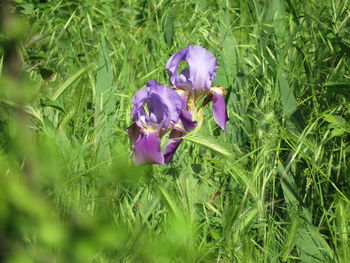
point(157, 109)
point(196, 80)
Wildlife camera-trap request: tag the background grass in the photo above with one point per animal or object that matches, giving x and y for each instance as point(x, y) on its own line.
point(273, 188)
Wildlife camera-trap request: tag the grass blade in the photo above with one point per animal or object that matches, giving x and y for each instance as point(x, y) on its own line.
point(69, 82)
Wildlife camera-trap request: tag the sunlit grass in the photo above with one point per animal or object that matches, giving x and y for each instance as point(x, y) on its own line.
point(273, 188)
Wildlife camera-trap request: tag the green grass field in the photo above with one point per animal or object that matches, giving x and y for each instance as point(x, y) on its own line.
point(274, 187)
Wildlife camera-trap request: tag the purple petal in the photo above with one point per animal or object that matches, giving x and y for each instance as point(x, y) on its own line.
point(202, 65)
point(163, 103)
point(170, 150)
point(147, 149)
point(185, 75)
point(172, 66)
point(172, 145)
point(219, 110)
point(166, 104)
point(201, 70)
point(152, 83)
point(138, 101)
point(186, 119)
point(184, 96)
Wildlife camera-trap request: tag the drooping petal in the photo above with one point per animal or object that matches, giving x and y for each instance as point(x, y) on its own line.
point(219, 110)
point(170, 150)
point(202, 66)
point(186, 119)
point(172, 145)
point(147, 149)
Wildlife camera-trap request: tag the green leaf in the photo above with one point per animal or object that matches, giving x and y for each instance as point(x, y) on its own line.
point(169, 28)
point(104, 101)
point(216, 235)
point(104, 79)
point(338, 88)
point(208, 143)
point(288, 100)
point(305, 236)
point(338, 124)
point(310, 242)
point(170, 202)
point(46, 73)
point(336, 119)
point(53, 104)
point(338, 132)
point(28, 9)
point(289, 243)
point(228, 59)
point(288, 186)
point(69, 82)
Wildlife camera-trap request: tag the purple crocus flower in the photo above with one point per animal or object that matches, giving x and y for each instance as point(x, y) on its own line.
point(156, 110)
point(195, 81)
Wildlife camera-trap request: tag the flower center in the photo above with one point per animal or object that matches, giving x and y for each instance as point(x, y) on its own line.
point(148, 127)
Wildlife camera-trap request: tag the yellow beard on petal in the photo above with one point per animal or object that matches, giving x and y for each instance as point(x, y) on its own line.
point(148, 127)
point(181, 92)
point(219, 90)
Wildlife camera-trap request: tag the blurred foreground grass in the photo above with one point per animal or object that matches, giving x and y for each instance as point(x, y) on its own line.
point(69, 192)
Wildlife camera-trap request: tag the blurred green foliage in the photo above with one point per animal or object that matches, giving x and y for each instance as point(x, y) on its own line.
point(273, 188)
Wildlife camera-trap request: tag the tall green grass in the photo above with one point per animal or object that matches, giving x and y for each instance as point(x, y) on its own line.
point(273, 188)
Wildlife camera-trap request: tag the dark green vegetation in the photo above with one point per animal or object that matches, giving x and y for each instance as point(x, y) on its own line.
point(273, 188)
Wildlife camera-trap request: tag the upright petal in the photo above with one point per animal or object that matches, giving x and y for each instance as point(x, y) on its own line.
point(172, 67)
point(185, 75)
point(219, 110)
point(147, 149)
point(138, 101)
point(152, 83)
point(202, 65)
point(172, 145)
point(201, 69)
